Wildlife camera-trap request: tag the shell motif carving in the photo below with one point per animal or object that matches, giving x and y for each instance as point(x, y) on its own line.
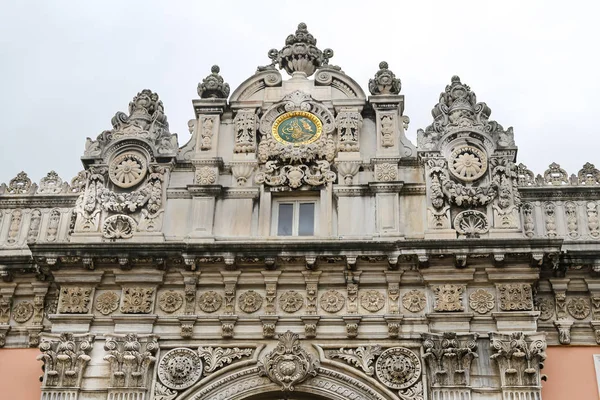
point(332, 301)
point(210, 301)
point(291, 301)
point(471, 223)
point(118, 227)
point(128, 169)
point(468, 163)
point(250, 301)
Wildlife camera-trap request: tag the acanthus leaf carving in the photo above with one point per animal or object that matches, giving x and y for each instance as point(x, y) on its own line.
point(448, 297)
point(137, 300)
point(74, 300)
point(246, 124)
point(130, 358)
point(448, 357)
point(361, 357)
point(65, 358)
point(520, 358)
point(217, 357)
point(348, 122)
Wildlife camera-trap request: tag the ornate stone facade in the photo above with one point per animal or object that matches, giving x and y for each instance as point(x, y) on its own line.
point(299, 243)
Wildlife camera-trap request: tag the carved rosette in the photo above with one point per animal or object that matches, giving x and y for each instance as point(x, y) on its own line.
point(210, 301)
point(128, 169)
point(137, 300)
point(107, 302)
point(250, 301)
point(288, 364)
point(170, 301)
point(372, 300)
point(22, 312)
point(481, 301)
point(467, 163)
point(332, 301)
point(414, 301)
point(545, 306)
point(180, 368)
point(579, 307)
point(291, 301)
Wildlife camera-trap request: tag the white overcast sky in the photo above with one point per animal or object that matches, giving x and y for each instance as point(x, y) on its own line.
point(66, 67)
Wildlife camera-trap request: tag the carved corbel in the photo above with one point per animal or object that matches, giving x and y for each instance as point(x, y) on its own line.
point(352, 281)
point(190, 282)
point(88, 263)
point(393, 281)
point(393, 323)
point(269, 322)
point(190, 262)
point(537, 259)
point(310, 325)
point(227, 325)
point(352, 323)
point(460, 260)
point(351, 262)
point(564, 331)
point(125, 263)
point(498, 259)
point(310, 262)
point(311, 278)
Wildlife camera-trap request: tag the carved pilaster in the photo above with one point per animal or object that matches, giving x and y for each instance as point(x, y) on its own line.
point(130, 358)
point(190, 293)
point(312, 286)
point(65, 358)
point(352, 281)
point(393, 281)
point(448, 358)
point(520, 358)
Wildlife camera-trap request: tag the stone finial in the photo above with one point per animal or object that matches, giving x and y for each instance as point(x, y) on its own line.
point(385, 81)
point(300, 53)
point(213, 86)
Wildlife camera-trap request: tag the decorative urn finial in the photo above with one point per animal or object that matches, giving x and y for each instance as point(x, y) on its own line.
point(385, 81)
point(213, 86)
point(300, 53)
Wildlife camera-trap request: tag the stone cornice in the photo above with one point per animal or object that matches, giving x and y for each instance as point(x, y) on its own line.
point(39, 201)
point(545, 193)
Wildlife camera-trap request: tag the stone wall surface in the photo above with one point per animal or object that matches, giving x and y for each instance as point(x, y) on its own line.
point(436, 270)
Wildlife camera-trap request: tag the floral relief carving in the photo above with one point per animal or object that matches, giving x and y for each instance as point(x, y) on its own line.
point(291, 301)
point(555, 175)
point(360, 357)
point(545, 306)
point(515, 297)
point(288, 364)
point(53, 222)
point(65, 358)
point(332, 301)
point(34, 226)
point(387, 130)
point(217, 357)
point(21, 184)
point(107, 302)
point(593, 221)
point(170, 301)
point(414, 301)
point(467, 163)
point(14, 227)
point(22, 312)
point(52, 184)
point(205, 176)
point(137, 300)
point(386, 172)
point(348, 122)
point(550, 216)
point(398, 368)
point(118, 227)
point(448, 297)
point(128, 169)
point(481, 301)
point(372, 300)
point(571, 217)
point(130, 358)
point(74, 300)
point(245, 131)
point(250, 301)
point(588, 175)
point(207, 124)
point(579, 307)
point(528, 221)
point(210, 301)
point(180, 368)
point(448, 357)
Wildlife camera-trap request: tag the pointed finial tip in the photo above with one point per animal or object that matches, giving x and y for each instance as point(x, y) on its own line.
point(301, 25)
point(456, 78)
point(383, 65)
point(215, 69)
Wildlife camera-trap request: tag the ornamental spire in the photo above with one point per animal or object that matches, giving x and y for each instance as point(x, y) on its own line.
point(213, 86)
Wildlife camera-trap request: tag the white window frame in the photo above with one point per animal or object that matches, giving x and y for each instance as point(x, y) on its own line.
point(296, 201)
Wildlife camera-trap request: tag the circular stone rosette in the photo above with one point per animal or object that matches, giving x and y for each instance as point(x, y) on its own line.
point(180, 368)
point(291, 301)
point(210, 301)
point(250, 301)
point(170, 301)
point(332, 301)
point(128, 169)
point(398, 368)
point(467, 163)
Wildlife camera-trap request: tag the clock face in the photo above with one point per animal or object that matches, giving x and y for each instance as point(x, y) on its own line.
point(297, 127)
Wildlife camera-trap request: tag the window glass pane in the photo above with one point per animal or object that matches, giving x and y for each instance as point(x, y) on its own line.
point(285, 219)
point(306, 222)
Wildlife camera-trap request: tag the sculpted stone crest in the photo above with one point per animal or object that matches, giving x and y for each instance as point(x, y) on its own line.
point(288, 364)
point(180, 368)
point(398, 368)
